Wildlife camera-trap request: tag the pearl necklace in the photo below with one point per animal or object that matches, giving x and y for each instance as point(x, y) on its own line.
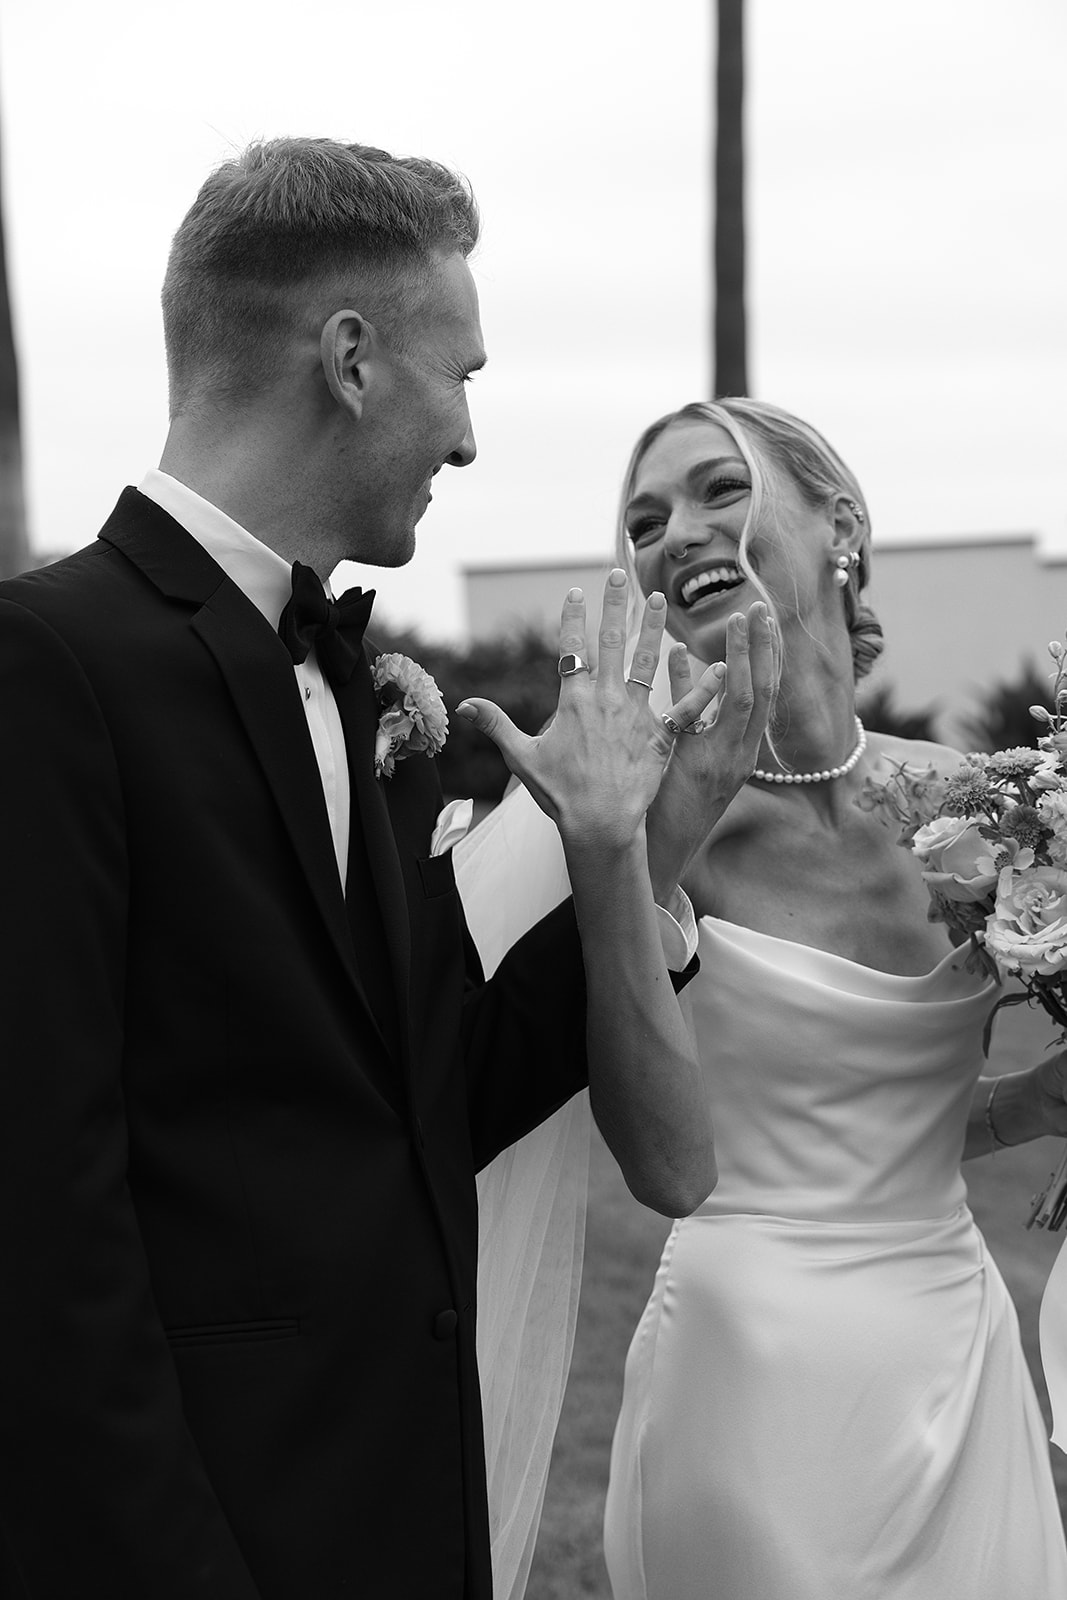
point(820, 777)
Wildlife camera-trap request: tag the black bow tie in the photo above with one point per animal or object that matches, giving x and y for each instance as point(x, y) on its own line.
point(334, 627)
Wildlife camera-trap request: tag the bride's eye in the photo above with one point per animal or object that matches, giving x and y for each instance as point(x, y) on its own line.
point(719, 488)
point(644, 531)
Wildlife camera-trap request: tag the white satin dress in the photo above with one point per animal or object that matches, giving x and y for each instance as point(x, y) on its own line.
point(826, 1397)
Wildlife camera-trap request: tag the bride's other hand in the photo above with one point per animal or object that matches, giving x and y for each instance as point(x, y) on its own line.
point(733, 700)
point(1050, 1094)
point(1016, 1107)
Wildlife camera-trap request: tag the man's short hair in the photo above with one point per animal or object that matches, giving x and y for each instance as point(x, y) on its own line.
point(278, 221)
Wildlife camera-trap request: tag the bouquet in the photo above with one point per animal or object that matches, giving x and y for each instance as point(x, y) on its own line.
point(992, 841)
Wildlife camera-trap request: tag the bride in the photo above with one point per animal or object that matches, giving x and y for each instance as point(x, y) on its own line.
point(826, 1395)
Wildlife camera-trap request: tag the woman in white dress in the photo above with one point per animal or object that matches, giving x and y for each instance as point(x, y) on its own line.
point(826, 1397)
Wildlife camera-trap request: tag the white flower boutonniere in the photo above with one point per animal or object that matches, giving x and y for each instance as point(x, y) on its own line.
point(413, 719)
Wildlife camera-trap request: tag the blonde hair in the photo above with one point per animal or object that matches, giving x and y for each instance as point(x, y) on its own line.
point(768, 437)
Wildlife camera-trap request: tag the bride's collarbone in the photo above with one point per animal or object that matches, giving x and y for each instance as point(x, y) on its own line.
point(862, 898)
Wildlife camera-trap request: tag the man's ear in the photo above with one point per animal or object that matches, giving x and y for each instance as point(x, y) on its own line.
point(345, 348)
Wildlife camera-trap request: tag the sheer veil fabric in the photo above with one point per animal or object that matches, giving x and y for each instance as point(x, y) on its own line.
point(531, 1201)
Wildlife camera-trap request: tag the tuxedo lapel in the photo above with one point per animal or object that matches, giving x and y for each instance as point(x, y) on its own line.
point(264, 692)
point(259, 674)
point(358, 707)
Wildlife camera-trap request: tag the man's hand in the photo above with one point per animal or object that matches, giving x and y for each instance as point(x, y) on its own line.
point(708, 768)
point(597, 767)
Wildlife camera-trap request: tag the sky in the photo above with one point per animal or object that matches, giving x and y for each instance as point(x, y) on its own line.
point(906, 224)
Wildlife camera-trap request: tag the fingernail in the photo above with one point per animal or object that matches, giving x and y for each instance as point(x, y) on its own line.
point(656, 602)
point(616, 577)
point(742, 626)
point(467, 711)
point(574, 595)
point(718, 669)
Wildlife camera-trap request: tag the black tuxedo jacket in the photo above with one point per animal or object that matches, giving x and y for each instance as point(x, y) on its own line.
point(237, 1212)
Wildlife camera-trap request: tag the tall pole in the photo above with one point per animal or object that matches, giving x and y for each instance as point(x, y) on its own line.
point(14, 543)
point(730, 367)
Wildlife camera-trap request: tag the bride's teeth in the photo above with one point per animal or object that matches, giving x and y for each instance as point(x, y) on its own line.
point(729, 576)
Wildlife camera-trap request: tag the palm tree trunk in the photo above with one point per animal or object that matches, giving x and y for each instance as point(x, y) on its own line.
point(730, 371)
point(14, 542)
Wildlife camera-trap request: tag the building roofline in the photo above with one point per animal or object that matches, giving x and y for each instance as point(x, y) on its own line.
point(967, 541)
point(490, 569)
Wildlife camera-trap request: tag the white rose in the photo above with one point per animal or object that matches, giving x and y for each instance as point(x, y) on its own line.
point(958, 862)
point(1027, 932)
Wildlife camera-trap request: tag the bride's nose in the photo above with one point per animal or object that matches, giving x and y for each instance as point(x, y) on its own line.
point(683, 532)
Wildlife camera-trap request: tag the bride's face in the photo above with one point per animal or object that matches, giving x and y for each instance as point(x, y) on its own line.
point(685, 515)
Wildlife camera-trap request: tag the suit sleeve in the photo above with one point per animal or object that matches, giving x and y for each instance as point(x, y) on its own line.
point(102, 1491)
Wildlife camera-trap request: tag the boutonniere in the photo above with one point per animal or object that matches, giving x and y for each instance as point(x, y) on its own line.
point(412, 717)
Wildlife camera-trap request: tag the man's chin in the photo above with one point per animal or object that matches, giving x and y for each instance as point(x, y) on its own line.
point(396, 554)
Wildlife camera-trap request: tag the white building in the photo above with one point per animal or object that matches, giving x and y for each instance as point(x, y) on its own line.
point(959, 615)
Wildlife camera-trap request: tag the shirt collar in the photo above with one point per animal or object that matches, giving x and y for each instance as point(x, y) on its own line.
point(259, 572)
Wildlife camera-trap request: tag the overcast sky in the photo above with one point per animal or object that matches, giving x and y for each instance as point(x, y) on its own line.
point(907, 234)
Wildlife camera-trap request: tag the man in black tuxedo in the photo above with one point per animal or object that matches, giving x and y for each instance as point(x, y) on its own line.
point(249, 1063)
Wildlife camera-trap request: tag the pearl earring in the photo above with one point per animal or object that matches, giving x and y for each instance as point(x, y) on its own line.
point(845, 566)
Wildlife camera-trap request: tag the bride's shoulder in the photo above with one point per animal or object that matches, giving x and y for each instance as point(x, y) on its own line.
point(887, 750)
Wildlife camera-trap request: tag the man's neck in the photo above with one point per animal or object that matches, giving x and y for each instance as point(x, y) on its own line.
point(259, 494)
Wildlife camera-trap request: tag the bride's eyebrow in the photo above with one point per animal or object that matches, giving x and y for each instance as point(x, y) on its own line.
point(692, 477)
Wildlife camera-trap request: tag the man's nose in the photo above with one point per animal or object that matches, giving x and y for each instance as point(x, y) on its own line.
point(465, 451)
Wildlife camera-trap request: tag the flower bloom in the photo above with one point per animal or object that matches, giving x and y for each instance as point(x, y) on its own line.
point(1027, 932)
point(413, 718)
point(958, 863)
point(1052, 809)
point(1050, 774)
point(1016, 763)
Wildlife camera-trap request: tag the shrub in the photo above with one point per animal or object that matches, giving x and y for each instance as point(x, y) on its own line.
point(1002, 720)
point(878, 714)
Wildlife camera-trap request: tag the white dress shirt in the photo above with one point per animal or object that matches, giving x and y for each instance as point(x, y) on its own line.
point(265, 578)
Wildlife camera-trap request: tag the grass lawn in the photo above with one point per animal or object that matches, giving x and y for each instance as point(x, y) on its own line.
point(622, 1250)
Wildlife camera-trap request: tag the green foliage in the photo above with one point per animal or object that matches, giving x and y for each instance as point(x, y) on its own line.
point(1002, 720)
point(878, 714)
point(516, 671)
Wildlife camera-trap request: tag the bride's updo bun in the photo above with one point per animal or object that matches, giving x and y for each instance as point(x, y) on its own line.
point(866, 638)
point(766, 435)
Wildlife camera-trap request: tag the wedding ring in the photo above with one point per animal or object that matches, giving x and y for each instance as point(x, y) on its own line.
point(671, 726)
point(641, 681)
point(570, 664)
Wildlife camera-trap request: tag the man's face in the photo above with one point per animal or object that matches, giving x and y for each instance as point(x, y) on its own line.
point(417, 419)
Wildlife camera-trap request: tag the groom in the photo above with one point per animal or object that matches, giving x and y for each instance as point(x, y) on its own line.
point(249, 1065)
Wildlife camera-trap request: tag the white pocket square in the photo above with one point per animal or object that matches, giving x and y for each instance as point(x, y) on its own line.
point(451, 826)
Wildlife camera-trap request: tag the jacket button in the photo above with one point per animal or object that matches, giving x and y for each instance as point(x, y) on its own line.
point(444, 1324)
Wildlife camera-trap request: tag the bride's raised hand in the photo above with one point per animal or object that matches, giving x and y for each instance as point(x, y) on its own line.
point(596, 767)
point(722, 719)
